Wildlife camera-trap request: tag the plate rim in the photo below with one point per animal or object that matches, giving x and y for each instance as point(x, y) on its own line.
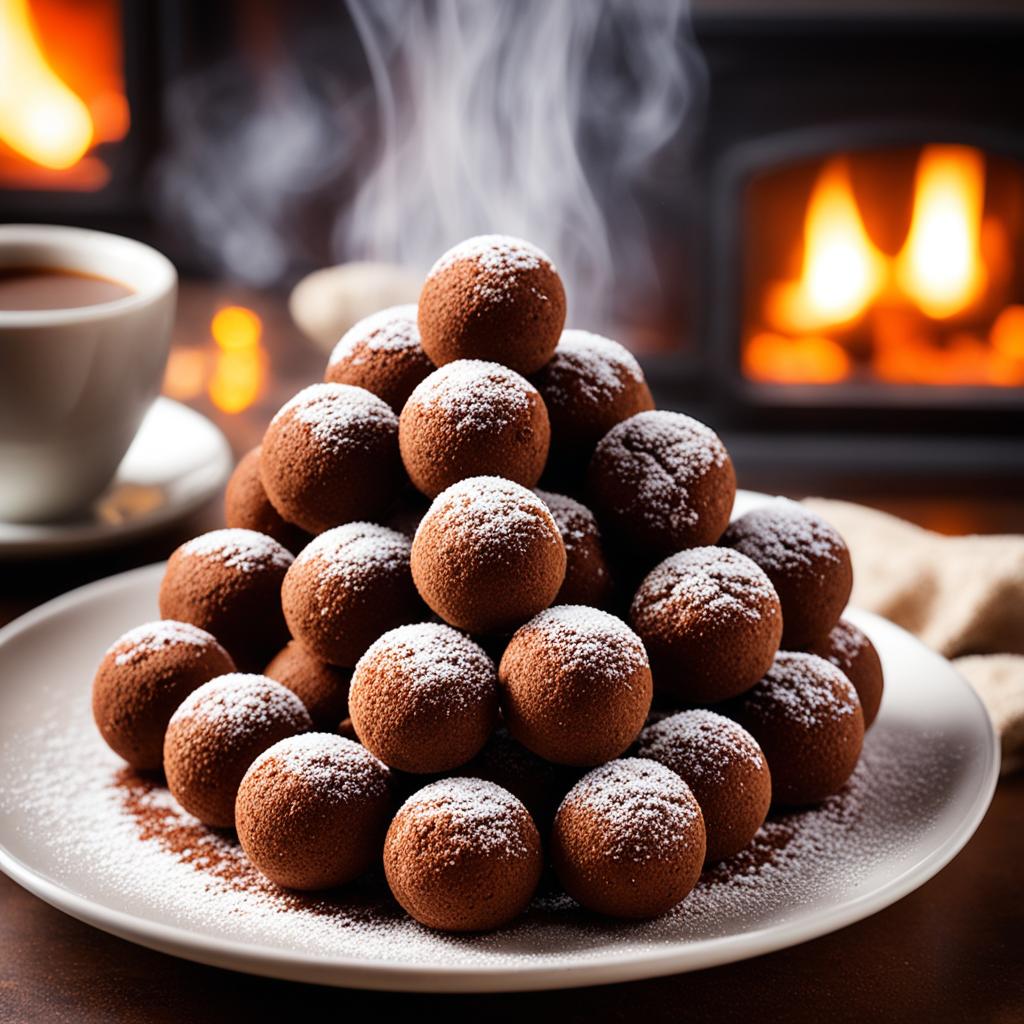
point(398, 977)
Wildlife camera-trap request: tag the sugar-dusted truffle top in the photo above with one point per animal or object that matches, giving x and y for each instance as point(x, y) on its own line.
point(156, 637)
point(240, 703)
point(339, 415)
point(590, 368)
point(475, 396)
point(356, 554)
point(588, 640)
point(783, 537)
point(700, 744)
point(802, 688)
point(389, 330)
point(656, 459)
point(492, 517)
point(235, 548)
point(575, 521)
point(710, 583)
point(477, 818)
point(439, 665)
point(497, 259)
point(328, 764)
point(638, 808)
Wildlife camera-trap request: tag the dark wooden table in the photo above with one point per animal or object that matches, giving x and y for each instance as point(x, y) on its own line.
point(949, 952)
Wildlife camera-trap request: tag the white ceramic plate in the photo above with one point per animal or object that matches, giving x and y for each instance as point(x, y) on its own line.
point(926, 778)
point(178, 461)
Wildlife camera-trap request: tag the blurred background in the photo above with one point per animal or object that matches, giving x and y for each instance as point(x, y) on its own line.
point(805, 217)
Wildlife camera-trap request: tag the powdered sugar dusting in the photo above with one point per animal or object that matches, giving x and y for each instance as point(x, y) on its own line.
point(658, 456)
point(239, 702)
point(330, 763)
point(123, 841)
point(640, 807)
point(702, 741)
point(492, 514)
point(236, 548)
point(388, 330)
point(152, 637)
point(476, 815)
point(476, 396)
point(802, 688)
point(845, 644)
point(439, 664)
point(337, 414)
point(355, 554)
point(497, 255)
point(784, 536)
point(590, 368)
point(588, 639)
point(710, 582)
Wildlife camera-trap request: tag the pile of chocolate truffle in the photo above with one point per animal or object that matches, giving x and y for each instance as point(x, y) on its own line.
point(401, 653)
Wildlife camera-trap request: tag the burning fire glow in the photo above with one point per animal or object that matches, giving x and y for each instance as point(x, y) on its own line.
point(61, 90)
point(912, 310)
point(232, 372)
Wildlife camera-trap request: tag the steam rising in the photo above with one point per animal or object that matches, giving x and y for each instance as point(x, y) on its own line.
point(538, 118)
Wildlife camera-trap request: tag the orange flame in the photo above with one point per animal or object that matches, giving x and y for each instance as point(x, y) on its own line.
point(940, 267)
point(842, 270)
point(40, 117)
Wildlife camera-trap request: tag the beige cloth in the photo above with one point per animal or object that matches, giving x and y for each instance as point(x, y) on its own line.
point(963, 596)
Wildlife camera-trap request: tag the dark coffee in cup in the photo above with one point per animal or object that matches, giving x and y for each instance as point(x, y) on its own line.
point(56, 288)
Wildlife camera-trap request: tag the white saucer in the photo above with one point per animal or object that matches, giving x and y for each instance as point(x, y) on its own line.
point(178, 461)
point(68, 835)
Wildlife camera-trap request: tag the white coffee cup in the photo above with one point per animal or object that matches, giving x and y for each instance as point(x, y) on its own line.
point(75, 383)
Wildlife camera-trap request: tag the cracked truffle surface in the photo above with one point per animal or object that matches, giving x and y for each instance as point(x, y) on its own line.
point(711, 622)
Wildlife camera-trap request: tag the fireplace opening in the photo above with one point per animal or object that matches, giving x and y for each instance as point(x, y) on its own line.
point(888, 268)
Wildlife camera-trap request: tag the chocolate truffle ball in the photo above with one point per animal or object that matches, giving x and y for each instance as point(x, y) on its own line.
point(330, 456)
point(575, 685)
point(217, 732)
point(348, 587)
point(463, 855)
point(312, 811)
point(807, 718)
point(590, 384)
point(228, 582)
point(807, 562)
point(661, 481)
point(247, 507)
point(588, 579)
point(472, 418)
point(540, 784)
point(323, 688)
point(723, 766)
point(628, 839)
point(850, 650)
point(488, 555)
point(424, 698)
point(711, 623)
point(382, 353)
point(143, 678)
point(492, 297)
